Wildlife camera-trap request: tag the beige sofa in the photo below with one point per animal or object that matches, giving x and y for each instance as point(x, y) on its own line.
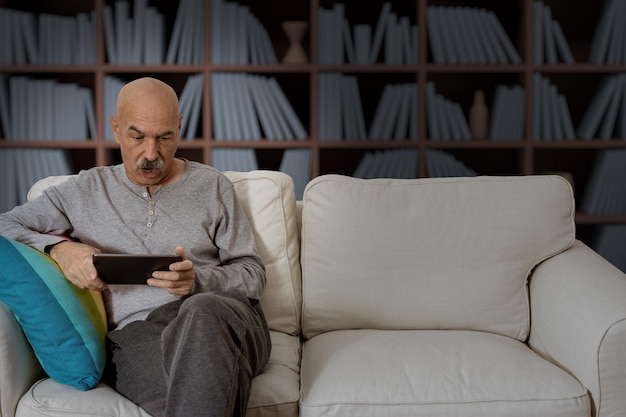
point(427, 297)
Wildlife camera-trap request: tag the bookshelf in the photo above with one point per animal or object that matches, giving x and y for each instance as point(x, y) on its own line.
point(455, 81)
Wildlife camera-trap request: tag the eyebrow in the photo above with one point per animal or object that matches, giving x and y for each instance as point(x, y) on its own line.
point(136, 129)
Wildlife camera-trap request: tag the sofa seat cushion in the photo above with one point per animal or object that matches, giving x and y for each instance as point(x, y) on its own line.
point(428, 253)
point(275, 392)
point(432, 373)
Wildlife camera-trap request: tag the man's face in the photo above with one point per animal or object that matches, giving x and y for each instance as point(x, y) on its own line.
point(148, 138)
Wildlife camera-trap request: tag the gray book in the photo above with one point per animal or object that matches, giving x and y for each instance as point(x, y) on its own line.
point(476, 22)
point(218, 117)
point(561, 43)
point(123, 32)
point(262, 106)
point(216, 31)
point(404, 103)
point(355, 99)
point(598, 51)
point(413, 112)
point(435, 39)
point(590, 121)
point(434, 130)
point(455, 26)
point(393, 47)
point(606, 128)
point(297, 164)
point(197, 82)
point(538, 32)
point(548, 36)
point(110, 35)
point(348, 43)
point(87, 96)
point(392, 111)
point(568, 127)
point(503, 38)
point(379, 32)
point(380, 114)
point(180, 23)
point(295, 125)
point(362, 43)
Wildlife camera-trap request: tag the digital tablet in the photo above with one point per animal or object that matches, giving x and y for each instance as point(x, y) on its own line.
point(130, 269)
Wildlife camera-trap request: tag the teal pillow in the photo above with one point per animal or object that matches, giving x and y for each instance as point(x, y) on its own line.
point(65, 325)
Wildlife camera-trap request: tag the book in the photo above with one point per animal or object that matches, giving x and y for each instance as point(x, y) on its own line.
point(538, 32)
point(548, 33)
point(561, 43)
point(598, 51)
point(379, 32)
point(592, 116)
point(297, 164)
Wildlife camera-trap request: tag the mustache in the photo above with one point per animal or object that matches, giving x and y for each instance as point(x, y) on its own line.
point(150, 165)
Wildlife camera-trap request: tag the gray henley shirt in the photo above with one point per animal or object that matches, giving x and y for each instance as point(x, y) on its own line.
point(101, 207)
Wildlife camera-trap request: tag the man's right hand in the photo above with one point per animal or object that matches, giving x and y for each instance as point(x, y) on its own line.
point(76, 262)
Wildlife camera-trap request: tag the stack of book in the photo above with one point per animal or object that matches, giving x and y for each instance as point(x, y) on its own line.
point(234, 159)
point(605, 116)
point(187, 41)
point(46, 39)
point(466, 35)
point(137, 37)
point(249, 107)
point(549, 42)
point(45, 110)
point(446, 120)
point(112, 87)
point(607, 45)
point(190, 106)
point(604, 194)
point(238, 37)
point(295, 162)
point(552, 119)
point(508, 113)
point(396, 114)
point(388, 163)
point(443, 164)
point(393, 34)
point(20, 168)
point(340, 108)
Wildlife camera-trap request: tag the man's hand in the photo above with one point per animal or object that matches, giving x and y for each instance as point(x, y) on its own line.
point(76, 263)
point(179, 280)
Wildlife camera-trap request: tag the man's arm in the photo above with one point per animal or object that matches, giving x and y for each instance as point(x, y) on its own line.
point(241, 266)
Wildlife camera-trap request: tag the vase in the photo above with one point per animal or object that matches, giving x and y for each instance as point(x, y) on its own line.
point(295, 30)
point(479, 116)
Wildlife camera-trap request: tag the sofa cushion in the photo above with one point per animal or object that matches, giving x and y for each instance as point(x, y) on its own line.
point(269, 200)
point(274, 393)
point(432, 253)
point(65, 325)
point(432, 373)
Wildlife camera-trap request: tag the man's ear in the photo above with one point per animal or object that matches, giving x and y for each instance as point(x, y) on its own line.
point(114, 126)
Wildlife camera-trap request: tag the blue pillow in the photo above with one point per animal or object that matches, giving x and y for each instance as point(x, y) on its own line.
point(65, 325)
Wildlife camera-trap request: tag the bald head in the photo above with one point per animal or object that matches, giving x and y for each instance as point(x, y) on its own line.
point(149, 92)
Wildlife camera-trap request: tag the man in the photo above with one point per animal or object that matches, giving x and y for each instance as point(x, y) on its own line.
point(190, 341)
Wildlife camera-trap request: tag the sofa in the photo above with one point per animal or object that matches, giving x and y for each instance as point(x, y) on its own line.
point(388, 297)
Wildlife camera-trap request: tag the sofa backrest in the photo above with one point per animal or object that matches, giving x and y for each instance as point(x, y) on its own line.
point(443, 253)
point(269, 200)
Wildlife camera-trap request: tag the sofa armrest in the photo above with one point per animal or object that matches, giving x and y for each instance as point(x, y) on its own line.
point(578, 307)
point(19, 367)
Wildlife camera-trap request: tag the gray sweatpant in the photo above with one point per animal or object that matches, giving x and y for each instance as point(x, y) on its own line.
point(192, 357)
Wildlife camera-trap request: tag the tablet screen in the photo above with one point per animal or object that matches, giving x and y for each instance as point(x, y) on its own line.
point(130, 269)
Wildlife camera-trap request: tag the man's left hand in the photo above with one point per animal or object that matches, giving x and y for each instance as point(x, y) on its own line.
point(179, 280)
